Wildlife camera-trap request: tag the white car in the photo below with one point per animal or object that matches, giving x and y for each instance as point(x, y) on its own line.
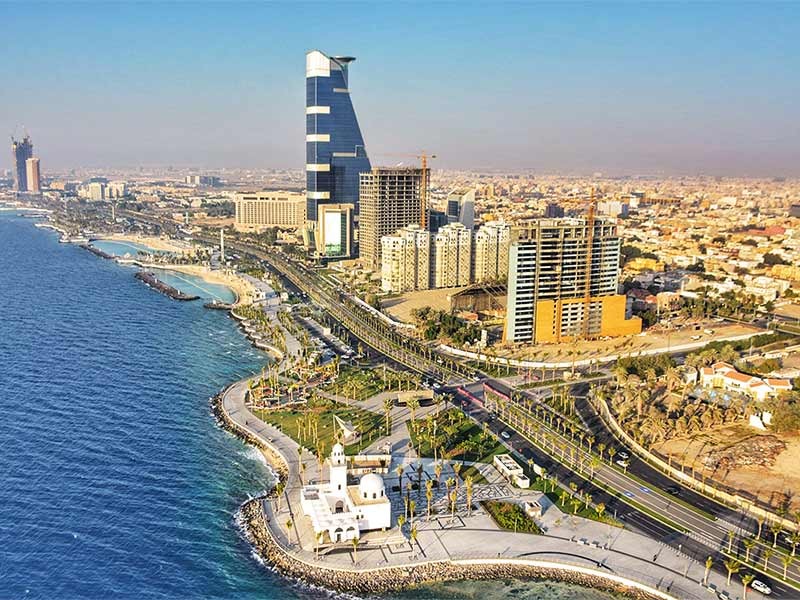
point(760, 586)
point(622, 463)
point(505, 435)
point(623, 455)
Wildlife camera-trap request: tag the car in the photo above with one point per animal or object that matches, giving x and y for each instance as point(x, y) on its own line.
point(623, 454)
point(760, 586)
point(622, 463)
point(673, 490)
point(436, 386)
point(505, 435)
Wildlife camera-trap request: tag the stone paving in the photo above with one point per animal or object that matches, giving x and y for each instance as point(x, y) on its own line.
point(568, 539)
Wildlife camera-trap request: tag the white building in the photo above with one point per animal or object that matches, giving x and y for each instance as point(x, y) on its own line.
point(261, 210)
point(344, 511)
point(721, 375)
point(405, 260)
point(491, 251)
point(452, 256)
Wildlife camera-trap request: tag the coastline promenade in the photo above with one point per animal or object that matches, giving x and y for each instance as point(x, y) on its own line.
point(463, 547)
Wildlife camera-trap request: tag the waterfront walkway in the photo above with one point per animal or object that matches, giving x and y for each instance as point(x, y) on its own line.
point(568, 540)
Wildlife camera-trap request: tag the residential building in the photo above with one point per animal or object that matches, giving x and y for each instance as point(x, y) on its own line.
point(553, 211)
point(258, 211)
point(96, 191)
point(335, 152)
point(491, 252)
point(116, 189)
point(390, 200)
point(436, 220)
point(562, 282)
point(33, 175)
point(724, 376)
point(208, 180)
point(405, 260)
point(452, 256)
point(333, 233)
point(21, 151)
point(461, 208)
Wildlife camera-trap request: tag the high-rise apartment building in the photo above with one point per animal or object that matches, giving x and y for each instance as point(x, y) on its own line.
point(335, 153)
point(461, 208)
point(258, 211)
point(562, 282)
point(333, 231)
point(405, 260)
point(33, 175)
point(491, 252)
point(390, 200)
point(21, 151)
point(452, 256)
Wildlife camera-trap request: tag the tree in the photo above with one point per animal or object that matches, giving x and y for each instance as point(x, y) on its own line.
point(387, 409)
point(429, 496)
point(468, 482)
point(748, 546)
point(411, 508)
point(354, 542)
point(776, 529)
point(600, 509)
point(413, 534)
point(709, 564)
point(747, 579)
point(787, 561)
point(767, 554)
point(733, 566)
point(794, 540)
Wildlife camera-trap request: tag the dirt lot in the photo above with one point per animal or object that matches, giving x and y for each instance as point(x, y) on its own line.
point(771, 480)
point(631, 344)
point(400, 308)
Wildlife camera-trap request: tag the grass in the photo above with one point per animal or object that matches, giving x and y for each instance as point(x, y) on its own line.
point(360, 383)
point(510, 516)
point(583, 511)
point(473, 471)
point(371, 425)
point(457, 438)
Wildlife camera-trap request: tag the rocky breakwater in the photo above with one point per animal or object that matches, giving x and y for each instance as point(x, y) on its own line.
point(152, 281)
point(370, 582)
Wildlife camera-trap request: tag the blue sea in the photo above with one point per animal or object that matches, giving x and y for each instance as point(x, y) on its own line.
point(114, 480)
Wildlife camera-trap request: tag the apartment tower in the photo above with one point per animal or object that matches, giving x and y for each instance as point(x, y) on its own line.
point(562, 282)
point(390, 200)
point(452, 256)
point(33, 175)
point(491, 252)
point(405, 260)
point(21, 151)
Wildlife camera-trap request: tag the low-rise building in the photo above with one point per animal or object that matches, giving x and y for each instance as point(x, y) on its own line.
point(258, 211)
point(724, 376)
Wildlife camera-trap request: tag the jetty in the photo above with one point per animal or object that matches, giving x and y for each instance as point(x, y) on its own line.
point(218, 305)
point(97, 252)
point(152, 281)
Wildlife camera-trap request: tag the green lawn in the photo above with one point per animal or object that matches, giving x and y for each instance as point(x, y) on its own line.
point(510, 516)
point(567, 507)
point(474, 472)
point(290, 422)
point(457, 438)
point(354, 382)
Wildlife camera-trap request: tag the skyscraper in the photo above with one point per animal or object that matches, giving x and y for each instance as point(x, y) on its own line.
point(21, 151)
point(33, 175)
point(405, 260)
point(562, 282)
point(461, 208)
point(335, 152)
point(334, 230)
point(390, 200)
point(491, 251)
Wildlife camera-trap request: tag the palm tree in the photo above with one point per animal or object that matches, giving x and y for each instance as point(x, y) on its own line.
point(748, 546)
point(354, 542)
point(387, 409)
point(731, 535)
point(776, 529)
point(468, 484)
point(611, 452)
point(794, 540)
point(401, 520)
point(787, 561)
point(767, 554)
point(746, 580)
point(399, 470)
point(453, 498)
point(429, 496)
point(437, 470)
point(413, 534)
point(709, 564)
point(411, 508)
point(733, 566)
point(318, 539)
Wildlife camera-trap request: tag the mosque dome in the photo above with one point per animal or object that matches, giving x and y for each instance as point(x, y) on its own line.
point(371, 487)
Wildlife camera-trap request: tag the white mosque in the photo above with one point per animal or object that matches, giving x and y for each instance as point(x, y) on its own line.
point(345, 511)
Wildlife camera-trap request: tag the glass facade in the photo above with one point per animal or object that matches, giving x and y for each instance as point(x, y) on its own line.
point(335, 153)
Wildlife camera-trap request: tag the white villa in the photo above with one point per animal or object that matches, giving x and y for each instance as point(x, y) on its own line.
point(345, 511)
point(724, 376)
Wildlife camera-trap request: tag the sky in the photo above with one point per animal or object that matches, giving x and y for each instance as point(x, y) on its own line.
point(623, 88)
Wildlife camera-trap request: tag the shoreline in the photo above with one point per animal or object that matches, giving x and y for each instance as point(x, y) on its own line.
point(371, 581)
point(158, 244)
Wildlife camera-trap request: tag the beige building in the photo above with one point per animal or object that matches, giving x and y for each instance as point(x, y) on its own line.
point(491, 252)
point(261, 210)
point(34, 176)
point(333, 231)
point(405, 260)
point(452, 256)
point(389, 199)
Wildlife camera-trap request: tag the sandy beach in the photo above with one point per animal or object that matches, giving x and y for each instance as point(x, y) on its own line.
point(240, 286)
point(156, 243)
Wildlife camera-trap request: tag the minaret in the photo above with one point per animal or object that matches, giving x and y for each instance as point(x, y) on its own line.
point(222, 245)
point(338, 468)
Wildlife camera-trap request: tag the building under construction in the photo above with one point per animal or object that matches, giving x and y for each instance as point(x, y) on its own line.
point(562, 282)
point(390, 198)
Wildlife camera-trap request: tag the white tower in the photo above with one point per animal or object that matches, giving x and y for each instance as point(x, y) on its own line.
point(338, 469)
point(222, 245)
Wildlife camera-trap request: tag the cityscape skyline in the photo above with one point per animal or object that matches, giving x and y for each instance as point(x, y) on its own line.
point(692, 100)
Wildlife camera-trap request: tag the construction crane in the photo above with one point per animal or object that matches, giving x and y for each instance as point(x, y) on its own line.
point(423, 184)
point(587, 293)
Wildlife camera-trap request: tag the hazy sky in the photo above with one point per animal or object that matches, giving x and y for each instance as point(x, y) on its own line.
point(620, 88)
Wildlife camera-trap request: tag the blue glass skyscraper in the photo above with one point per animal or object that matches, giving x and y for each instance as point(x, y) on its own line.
point(335, 153)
